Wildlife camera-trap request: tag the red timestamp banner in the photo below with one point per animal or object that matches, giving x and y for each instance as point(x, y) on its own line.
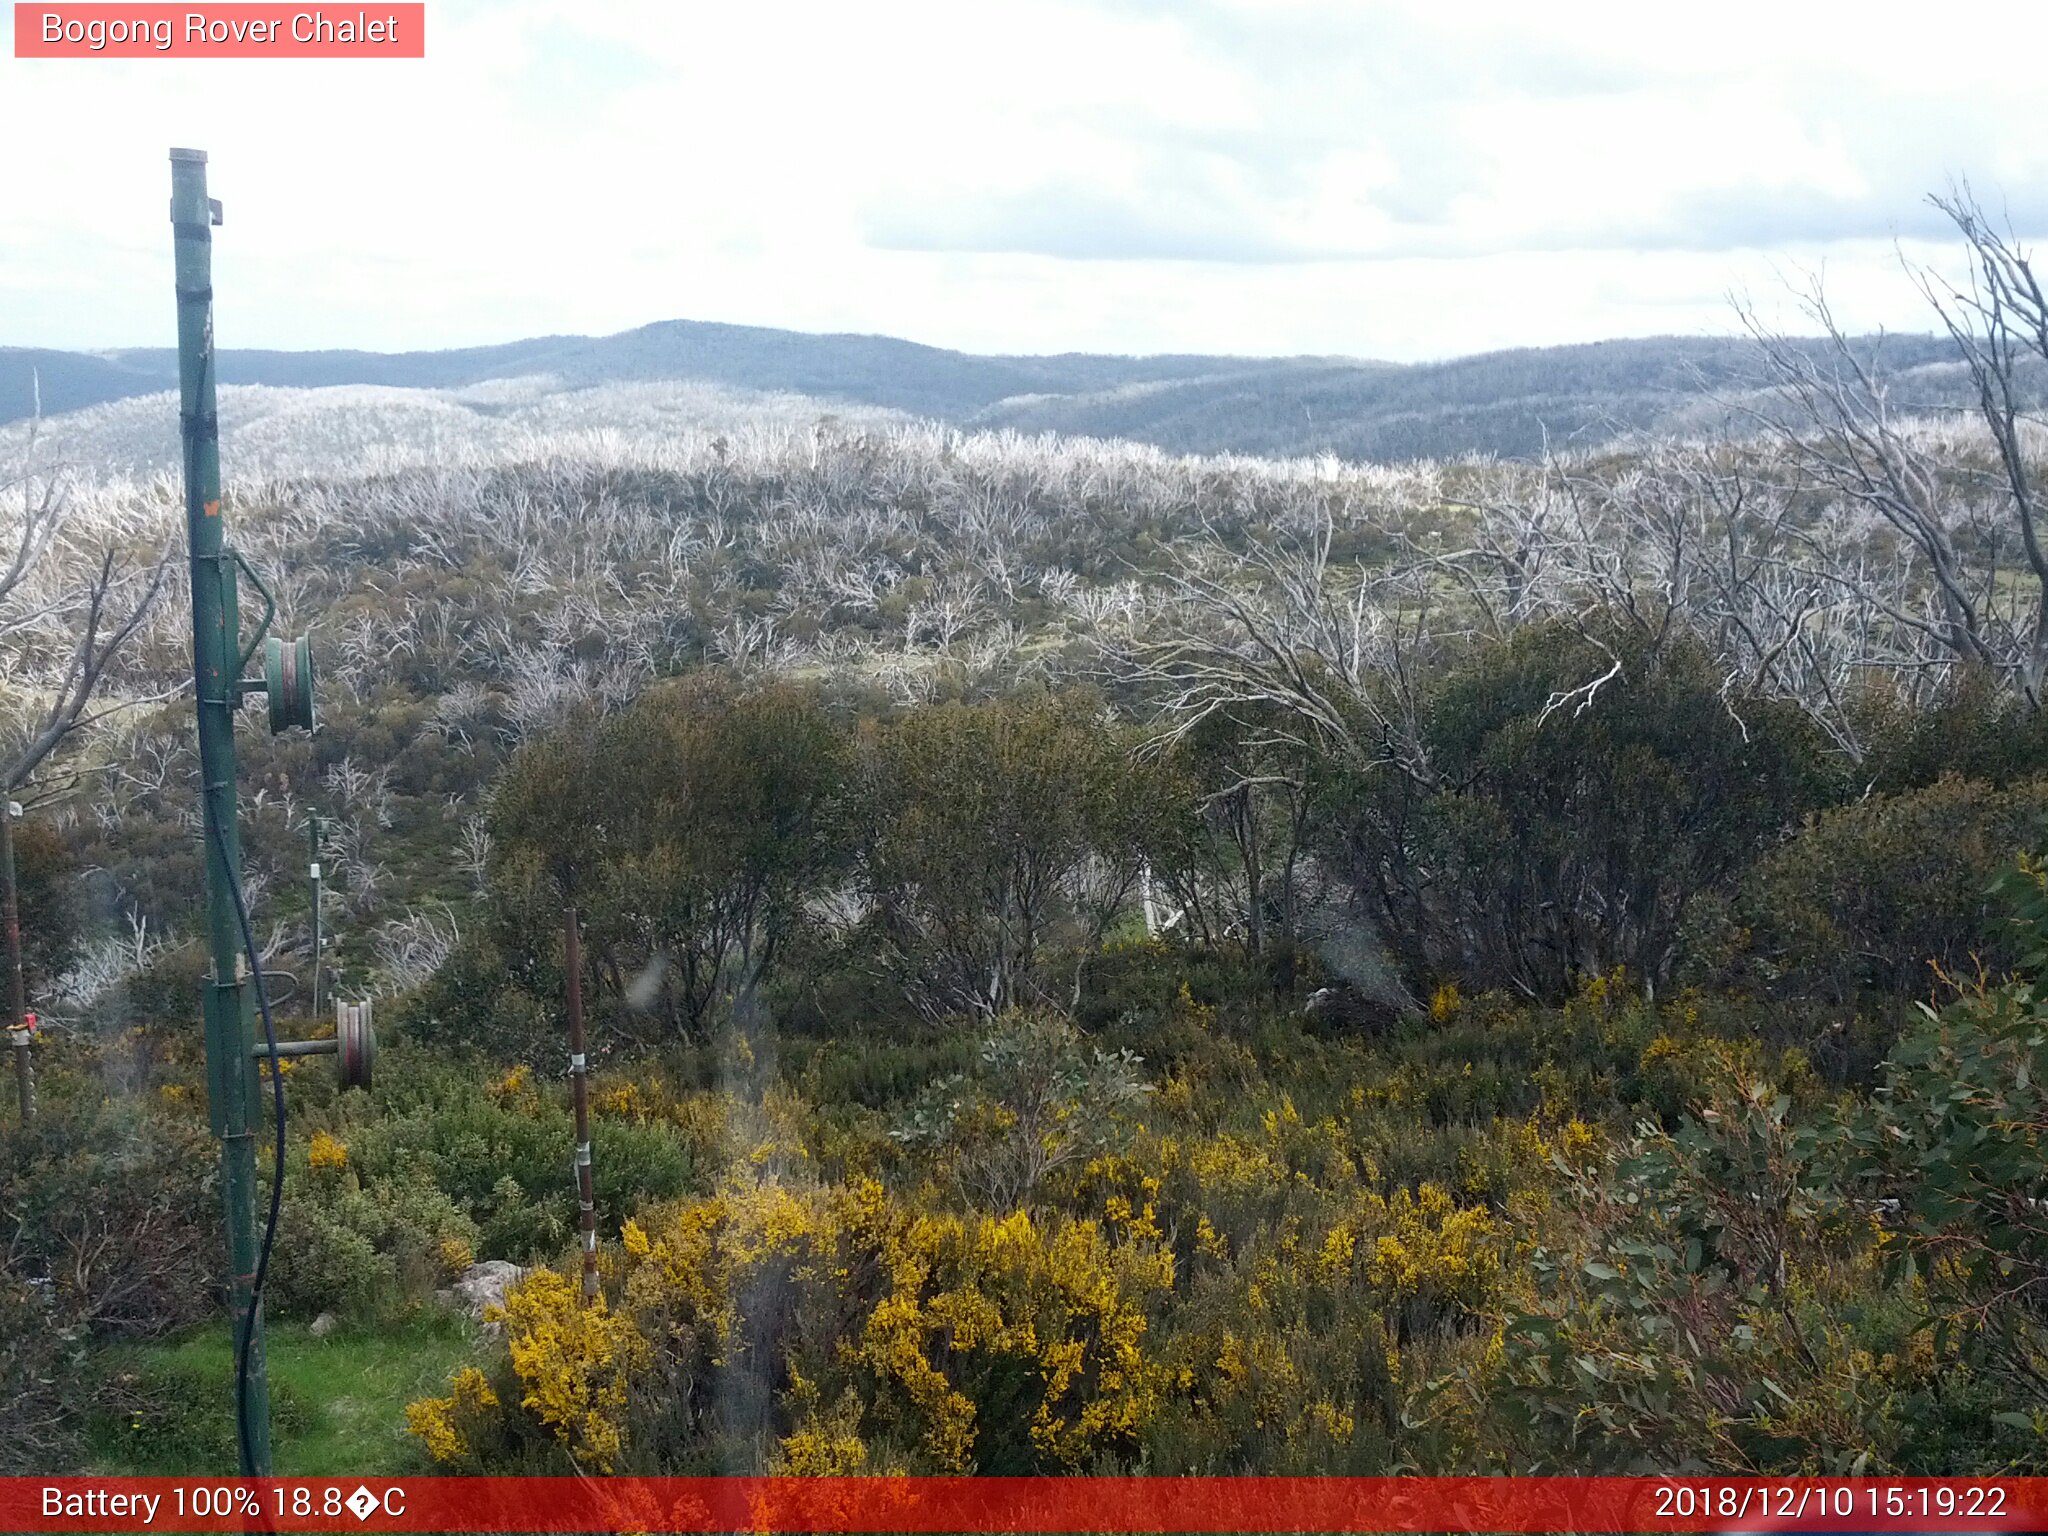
point(655, 1505)
point(222, 31)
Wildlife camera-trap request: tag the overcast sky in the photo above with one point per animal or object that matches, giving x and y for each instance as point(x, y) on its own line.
point(1248, 176)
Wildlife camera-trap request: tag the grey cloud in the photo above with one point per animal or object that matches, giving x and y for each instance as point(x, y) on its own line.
point(1779, 216)
point(1076, 223)
point(1391, 84)
point(1088, 224)
point(1342, 77)
point(1437, 55)
point(1772, 217)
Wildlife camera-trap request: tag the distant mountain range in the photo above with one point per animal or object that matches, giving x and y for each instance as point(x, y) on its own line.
point(1504, 403)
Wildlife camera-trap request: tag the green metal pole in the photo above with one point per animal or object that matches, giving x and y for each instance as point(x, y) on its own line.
point(231, 1080)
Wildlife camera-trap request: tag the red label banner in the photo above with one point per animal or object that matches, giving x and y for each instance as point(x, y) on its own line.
point(228, 31)
point(1015, 1504)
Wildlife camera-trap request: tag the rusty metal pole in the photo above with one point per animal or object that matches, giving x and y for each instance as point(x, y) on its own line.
point(579, 1087)
point(17, 993)
point(313, 837)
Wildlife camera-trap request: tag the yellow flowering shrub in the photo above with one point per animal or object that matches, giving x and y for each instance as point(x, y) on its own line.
point(1282, 1255)
point(1201, 1015)
point(1663, 1048)
point(973, 1343)
point(1577, 1141)
point(706, 1121)
point(1177, 1094)
point(444, 1425)
point(1599, 992)
point(1433, 1254)
point(619, 1099)
point(325, 1154)
point(1231, 1181)
point(1065, 1299)
point(1278, 1360)
point(456, 1255)
point(825, 1444)
point(574, 1361)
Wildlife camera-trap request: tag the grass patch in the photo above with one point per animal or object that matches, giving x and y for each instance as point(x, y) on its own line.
point(337, 1404)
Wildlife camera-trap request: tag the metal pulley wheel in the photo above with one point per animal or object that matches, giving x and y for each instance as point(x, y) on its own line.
point(288, 680)
point(355, 1044)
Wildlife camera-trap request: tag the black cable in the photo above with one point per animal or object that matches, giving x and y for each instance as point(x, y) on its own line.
point(248, 1324)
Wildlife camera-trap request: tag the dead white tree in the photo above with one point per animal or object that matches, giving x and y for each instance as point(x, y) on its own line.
point(68, 605)
point(1708, 539)
point(1943, 595)
point(1840, 423)
point(1299, 652)
point(2000, 324)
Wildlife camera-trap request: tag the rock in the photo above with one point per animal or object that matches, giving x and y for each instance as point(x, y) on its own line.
point(323, 1325)
point(483, 1285)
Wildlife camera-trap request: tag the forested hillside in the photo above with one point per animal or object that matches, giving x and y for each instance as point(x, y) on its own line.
point(1096, 959)
point(1510, 404)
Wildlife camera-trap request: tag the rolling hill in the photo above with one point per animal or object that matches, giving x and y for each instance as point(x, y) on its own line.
point(1506, 403)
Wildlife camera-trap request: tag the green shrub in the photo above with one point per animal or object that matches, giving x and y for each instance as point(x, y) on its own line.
point(455, 1148)
point(1688, 1325)
point(359, 1247)
point(1958, 1136)
point(44, 1378)
point(1977, 728)
point(879, 1073)
point(109, 1230)
point(688, 830)
point(519, 1225)
point(1888, 894)
point(1580, 790)
point(166, 991)
point(634, 1161)
point(993, 836)
point(47, 901)
point(115, 1198)
point(1035, 1100)
point(480, 1001)
point(498, 1148)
